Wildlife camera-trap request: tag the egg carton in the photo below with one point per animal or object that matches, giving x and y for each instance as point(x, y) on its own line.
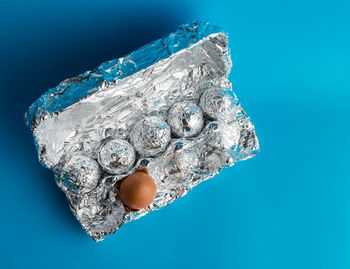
point(167, 107)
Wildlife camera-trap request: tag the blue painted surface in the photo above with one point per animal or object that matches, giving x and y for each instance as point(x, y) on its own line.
point(288, 207)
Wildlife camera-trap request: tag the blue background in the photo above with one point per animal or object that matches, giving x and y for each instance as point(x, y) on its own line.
point(288, 207)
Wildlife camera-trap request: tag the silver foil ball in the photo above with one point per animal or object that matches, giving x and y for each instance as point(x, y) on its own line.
point(80, 174)
point(185, 119)
point(116, 156)
point(150, 136)
point(218, 103)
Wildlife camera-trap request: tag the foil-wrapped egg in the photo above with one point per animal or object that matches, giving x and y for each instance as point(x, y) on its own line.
point(185, 119)
point(137, 190)
point(116, 156)
point(150, 136)
point(218, 103)
point(80, 174)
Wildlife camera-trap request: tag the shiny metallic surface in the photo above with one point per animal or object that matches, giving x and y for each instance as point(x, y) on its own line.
point(218, 103)
point(131, 98)
point(116, 156)
point(79, 175)
point(150, 136)
point(98, 211)
point(185, 119)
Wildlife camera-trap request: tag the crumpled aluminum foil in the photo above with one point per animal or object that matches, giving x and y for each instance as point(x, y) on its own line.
point(71, 122)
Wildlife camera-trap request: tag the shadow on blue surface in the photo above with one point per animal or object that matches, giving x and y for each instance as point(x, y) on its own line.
point(48, 57)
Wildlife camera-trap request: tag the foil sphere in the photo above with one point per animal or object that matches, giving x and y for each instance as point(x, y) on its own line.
point(150, 136)
point(116, 156)
point(80, 174)
point(218, 103)
point(185, 119)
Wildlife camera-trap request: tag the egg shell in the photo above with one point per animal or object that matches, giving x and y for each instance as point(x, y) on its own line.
point(137, 190)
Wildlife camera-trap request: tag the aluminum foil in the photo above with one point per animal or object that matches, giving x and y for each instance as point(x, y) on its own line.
point(167, 106)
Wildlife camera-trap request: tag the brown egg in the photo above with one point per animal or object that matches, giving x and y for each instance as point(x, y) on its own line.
point(138, 190)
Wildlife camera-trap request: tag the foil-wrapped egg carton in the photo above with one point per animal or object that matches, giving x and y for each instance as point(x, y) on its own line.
point(167, 106)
